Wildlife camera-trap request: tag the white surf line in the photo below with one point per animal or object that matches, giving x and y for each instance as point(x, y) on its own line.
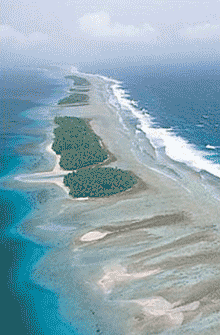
point(192, 157)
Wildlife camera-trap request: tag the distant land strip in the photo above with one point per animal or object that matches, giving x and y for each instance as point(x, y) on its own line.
point(82, 151)
point(77, 96)
point(78, 81)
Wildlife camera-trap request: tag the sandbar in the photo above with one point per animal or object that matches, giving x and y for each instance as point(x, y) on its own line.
point(119, 274)
point(93, 236)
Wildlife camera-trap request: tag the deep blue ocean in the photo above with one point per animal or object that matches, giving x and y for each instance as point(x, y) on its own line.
point(27, 307)
point(182, 102)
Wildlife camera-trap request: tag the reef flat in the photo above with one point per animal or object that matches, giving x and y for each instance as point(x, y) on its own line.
point(141, 261)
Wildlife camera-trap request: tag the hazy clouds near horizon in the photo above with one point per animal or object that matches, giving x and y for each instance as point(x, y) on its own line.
point(76, 31)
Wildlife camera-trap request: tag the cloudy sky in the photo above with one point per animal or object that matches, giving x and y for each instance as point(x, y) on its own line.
point(82, 31)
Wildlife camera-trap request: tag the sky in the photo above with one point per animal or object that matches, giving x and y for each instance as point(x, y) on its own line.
point(109, 31)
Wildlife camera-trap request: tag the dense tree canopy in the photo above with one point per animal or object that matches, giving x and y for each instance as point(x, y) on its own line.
point(80, 150)
point(77, 144)
point(72, 89)
point(78, 80)
point(74, 98)
point(99, 182)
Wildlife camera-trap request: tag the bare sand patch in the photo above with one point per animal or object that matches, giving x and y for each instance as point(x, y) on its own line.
point(93, 236)
point(158, 307)
point(118, 274)
point(52, 177)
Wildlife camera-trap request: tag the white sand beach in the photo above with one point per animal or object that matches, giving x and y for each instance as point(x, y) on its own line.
point(93, 236)
point(52, 177)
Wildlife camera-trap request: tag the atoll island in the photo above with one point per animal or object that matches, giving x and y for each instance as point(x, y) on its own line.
point(81, 151)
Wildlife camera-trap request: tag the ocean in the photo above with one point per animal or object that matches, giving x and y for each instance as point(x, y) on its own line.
point(179, 109)
point(48, 287)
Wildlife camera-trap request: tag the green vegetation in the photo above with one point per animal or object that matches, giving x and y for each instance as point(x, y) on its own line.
point(78, 80)
point(77, 144)
point(80, 150)
point(79, 89)
point(73, 98)
point(99, 182)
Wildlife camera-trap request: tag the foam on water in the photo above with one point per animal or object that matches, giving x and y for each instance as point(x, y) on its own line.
point(212, 147)
point(176, 147)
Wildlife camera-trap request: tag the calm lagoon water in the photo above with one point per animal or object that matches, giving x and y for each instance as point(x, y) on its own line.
point(27, 307)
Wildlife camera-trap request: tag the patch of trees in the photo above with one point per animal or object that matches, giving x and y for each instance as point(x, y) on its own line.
point(77, 144)
point(80, 150)
point(78, 80)
point(74, 98)
point(99, 182)
point(72, 89)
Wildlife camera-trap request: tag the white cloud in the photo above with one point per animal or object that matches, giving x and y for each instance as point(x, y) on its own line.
point(37, 36)
point(8, 33)
point(205, 31)
point(99, 24)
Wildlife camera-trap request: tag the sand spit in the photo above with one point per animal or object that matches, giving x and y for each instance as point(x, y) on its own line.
point(52, 177)
point(56, 175)
point(93, 236)
point(119, 274)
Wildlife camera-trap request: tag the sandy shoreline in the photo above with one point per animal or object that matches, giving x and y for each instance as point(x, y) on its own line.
point(56, 175)
point(52, 177)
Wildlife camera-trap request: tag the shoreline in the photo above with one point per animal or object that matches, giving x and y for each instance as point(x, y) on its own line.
point(52, 177)
point(56, 175)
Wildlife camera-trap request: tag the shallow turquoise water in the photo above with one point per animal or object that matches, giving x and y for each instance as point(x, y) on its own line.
point(28, 307)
